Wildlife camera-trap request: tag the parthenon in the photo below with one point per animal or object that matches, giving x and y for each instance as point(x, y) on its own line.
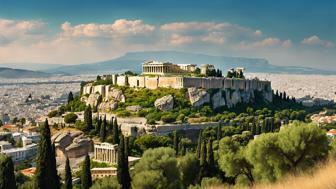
point(106, 152)
point(166, 68)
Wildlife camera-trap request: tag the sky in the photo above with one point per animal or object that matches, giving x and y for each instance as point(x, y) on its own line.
point(287, 32)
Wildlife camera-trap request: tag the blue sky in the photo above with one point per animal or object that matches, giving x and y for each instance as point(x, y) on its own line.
point(285, 32)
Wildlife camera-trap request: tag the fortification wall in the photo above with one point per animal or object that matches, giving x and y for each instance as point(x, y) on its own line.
point(177, 82)
point(170, 82)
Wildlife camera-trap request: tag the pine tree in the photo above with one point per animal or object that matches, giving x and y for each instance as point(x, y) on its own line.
point(127, 174)
point(115, 133)
point(219, 131)
point(102, 132)
point(68, 175)
point(7, 176)
point(210, 158)
point(199, 144)
point(88, 118)
point(176, 142)
point(86, 173)
point(70, 97)
point(46, 165)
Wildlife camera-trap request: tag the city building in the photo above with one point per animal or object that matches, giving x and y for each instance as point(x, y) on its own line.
point(106, 152)
point(103, 172)
point(206, 68)
point(19, 154)
point(4, 145)
point(166, 68)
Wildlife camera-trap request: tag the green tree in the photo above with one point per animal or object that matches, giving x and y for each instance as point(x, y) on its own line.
point(7, 177)
point(219, 131)
point(70, 118)
point(127, 174)
point(88, 118)
point(106, 183)
point(199, 144)
point(189, 167)
point(203, 161)
point(176, 142)
point(68, 175)
point(157, 169)
point(295, 148)
point(86, 178)
point(210, 159)
point(115, 132)
point(232, 160)
point(70, 97)
point(122, 167)
point(102, 132)
point(46, 173)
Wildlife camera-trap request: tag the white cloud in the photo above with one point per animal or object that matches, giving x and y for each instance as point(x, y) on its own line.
point(315, 40)
point(22, 30)
point(265, 43)
point(177, 39)
point(120, 28)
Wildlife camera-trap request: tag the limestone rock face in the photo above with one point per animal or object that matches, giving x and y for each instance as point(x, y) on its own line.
point(134, 108)
point(108, 106)
point(198, 97)
point(116, 94)
point(94, 99)
point(87, 89)
point(218, 100)
point(164, 103)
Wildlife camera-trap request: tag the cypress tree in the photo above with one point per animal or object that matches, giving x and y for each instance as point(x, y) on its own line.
point(210, 158)
point(254, 129)
point(70, 97)
point(68, 175)
point(46, 173)
point(199, 144)
point(115, 132)
point(182, 148)
point(121, 163)
point(102, 132)
point(176, 142)
point(219, 131)
point(88, 118)
point(110, 127)
point(7, 177)
point(127, 174)
point(99, 123)
point(203, 161)
point(56, 181)
point(86, 173)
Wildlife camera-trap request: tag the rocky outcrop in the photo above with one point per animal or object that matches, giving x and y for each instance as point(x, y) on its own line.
point(198, 97)
point(116, 94)
point(94, 99)
point(72, 144)
point(108, 106)
point(165, 103)
point(134, 108)
point(218, 99)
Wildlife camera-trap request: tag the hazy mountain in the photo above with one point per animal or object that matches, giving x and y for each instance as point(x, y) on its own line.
point(30, 66)
point(133, 61)
point(10, 73)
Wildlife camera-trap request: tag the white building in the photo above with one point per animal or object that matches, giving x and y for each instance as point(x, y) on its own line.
point(4, 145)
point(106, 152)
point(19, 154)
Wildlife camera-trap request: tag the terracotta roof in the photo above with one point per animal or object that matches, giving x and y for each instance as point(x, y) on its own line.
point(332, 132)
point(29, 171)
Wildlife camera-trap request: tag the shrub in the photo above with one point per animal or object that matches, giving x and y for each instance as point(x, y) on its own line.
point(52, 113)
point(70, 118)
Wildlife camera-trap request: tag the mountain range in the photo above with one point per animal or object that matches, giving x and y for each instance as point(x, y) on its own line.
point(133, 60)
point(11, 73)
